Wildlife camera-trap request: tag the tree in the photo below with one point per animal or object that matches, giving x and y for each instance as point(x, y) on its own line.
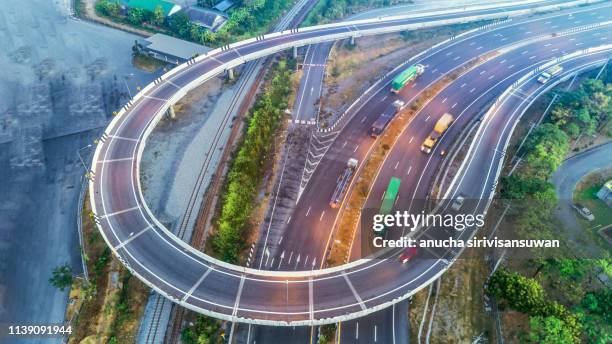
point(109, 8)
point(61, 277)
point(205, 331)
point(522, 294)
point(136, 15)
point(158, 16)
point(549, 330)
point(546, 149)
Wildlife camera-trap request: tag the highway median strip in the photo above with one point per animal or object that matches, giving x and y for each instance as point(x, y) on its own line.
point(348, 219)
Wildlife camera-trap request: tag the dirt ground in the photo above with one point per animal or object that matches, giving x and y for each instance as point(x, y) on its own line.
point(120, 296)
point(459, 315)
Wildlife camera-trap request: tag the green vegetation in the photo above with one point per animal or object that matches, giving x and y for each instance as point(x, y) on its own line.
point(583, 111)
point(326, 333)
point(246, 19)
point(61, 277)
point(574, 309)
point(205, 330)
point(588, 198)
point(526, 295)
point(247, 169)
point(549, 330)
point(329, 10)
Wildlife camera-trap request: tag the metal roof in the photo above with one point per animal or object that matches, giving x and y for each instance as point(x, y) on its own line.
point(179, 48)
point(168, 7)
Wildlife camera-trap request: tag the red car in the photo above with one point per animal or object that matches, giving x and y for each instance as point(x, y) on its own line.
point(408, 254)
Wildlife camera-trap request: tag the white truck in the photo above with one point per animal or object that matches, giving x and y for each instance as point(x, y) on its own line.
point(549, 73)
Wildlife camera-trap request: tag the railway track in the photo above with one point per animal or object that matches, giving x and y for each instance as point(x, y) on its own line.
point(198, 239)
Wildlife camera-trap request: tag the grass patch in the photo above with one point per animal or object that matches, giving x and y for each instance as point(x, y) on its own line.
point(586, 194)
point(112, 303)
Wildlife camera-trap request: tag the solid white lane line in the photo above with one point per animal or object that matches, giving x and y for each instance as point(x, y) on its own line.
point(115, 160)
point(122, 138)
point(357, 297)
point(197, 284)
point(132, 237)
point(310, 299)
point(235, 310)
point(120, 212)
point(155, 98)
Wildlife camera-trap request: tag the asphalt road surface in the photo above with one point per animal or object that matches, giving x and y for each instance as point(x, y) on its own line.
point(274, 297)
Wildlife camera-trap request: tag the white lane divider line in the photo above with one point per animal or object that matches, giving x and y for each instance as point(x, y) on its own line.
point(115, 160)
point(132, 237)
point(310, 299)
point(197, 284)
point(120, 212)
point(409, 169)
point(235, 310)
point(122, 138)
point(173, 84)
point(155, 98)
point(357, 297)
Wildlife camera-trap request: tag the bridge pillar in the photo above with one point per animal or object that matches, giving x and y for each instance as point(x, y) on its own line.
point(352, 40)
point(230, 73)
point(295, 53)
point(171, 112)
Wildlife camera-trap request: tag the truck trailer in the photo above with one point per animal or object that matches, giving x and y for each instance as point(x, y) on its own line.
point(389, 200)
point(441, 125)
point(385, 118)
point(405, 77)
point(343, 183)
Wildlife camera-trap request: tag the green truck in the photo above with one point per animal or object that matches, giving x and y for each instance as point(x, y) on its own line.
point(405, 77)
point(389, 199)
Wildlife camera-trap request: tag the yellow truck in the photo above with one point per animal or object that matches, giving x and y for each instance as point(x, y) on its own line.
point(441, 125)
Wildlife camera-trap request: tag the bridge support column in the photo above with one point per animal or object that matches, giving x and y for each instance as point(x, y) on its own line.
point(171, 112)
point(352, 40)
point(230, 73)
point(295, 53)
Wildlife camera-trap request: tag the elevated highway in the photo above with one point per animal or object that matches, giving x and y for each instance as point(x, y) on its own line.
point(212, 287)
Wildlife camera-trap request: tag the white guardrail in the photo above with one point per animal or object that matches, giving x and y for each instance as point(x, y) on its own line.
point(179, 70)
point(218, 70)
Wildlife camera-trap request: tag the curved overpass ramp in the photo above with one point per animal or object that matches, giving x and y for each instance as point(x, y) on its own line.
point(212, 287)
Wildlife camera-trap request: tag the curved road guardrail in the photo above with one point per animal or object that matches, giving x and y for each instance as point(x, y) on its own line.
point(209, 286)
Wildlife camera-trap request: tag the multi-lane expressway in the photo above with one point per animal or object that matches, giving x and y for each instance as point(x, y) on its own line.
point(230, 292)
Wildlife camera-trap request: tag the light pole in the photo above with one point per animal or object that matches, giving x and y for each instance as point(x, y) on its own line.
point(81, 158)
point(125, 77)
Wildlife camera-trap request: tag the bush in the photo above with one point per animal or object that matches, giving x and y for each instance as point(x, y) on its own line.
point(246, 172)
